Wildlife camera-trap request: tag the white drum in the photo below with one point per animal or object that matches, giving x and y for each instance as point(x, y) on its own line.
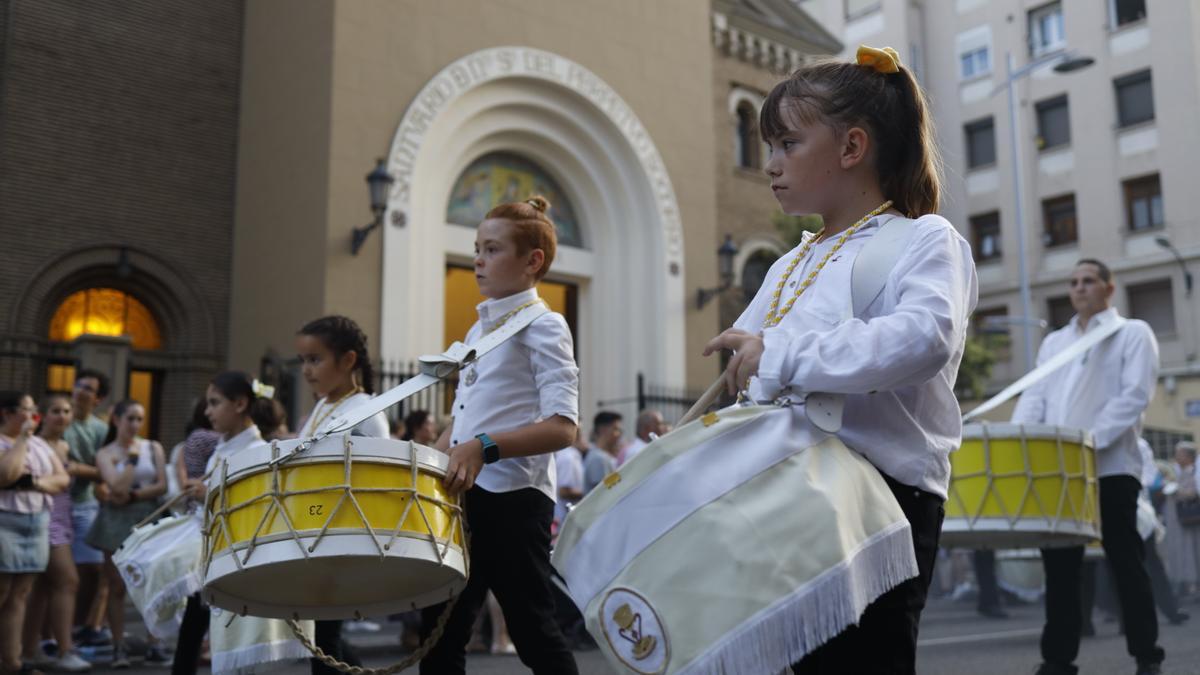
point(352, 526)
point(160, 564)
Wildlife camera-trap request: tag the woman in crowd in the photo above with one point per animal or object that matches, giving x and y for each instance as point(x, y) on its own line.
point(420, 427)
point(30, 473)
point(198, 444)
point(54, 591)
point(134, 469)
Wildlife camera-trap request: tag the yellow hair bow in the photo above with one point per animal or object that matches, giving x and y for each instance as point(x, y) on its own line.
point(884, 60)
point(262, 390)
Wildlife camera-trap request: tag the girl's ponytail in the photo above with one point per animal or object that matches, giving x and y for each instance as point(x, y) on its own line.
point(914, 182)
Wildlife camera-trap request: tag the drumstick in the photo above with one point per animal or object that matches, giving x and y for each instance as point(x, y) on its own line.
point(708, 398)
point(157, 512)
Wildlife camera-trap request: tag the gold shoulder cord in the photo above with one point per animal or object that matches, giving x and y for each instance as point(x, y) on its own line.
point(774, 314)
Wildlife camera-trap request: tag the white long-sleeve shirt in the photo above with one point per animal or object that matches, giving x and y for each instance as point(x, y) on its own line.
point(1106, 390)
point(896, 363)
point(250, 437)
point(375, 426)
point(529, 378)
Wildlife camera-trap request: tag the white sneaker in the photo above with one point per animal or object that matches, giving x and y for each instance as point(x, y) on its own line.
point(42, 660)
point(70, 663)
point(362, 627)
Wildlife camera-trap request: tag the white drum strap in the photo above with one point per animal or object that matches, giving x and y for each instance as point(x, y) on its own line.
point(437, 367)
point(1046, 369)
point(874, 263)
point(872, 267)
point(434, 368)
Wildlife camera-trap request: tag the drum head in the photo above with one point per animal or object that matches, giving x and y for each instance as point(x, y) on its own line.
point(354, 581)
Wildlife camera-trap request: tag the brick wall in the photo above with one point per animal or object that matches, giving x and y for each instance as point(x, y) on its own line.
point(118, 128)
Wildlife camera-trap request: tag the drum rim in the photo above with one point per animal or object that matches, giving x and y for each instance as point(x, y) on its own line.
point(222, 566)
point(1015, 431)
point(1029, 524)
point(266, 610)
point(365, 449)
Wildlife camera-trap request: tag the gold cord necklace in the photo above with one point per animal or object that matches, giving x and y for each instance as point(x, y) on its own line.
point(472, 375)
point(333, 406)
point(504, 319)
point(774, 314)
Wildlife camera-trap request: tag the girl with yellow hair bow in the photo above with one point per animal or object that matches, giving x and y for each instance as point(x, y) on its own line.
point(853, 142)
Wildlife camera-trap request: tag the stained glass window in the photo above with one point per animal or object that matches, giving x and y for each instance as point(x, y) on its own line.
point(500, 177)
point(105, 311)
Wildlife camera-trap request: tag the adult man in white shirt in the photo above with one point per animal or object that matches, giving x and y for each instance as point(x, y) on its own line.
point(1106, 391)
point(648, 422)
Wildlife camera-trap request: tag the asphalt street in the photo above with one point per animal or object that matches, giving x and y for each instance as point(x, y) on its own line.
point(954, 641)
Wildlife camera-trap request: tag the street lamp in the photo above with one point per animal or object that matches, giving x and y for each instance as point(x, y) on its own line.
point(378, 182)
point(725, 256)
point(1064, 62)
point(1164, 242)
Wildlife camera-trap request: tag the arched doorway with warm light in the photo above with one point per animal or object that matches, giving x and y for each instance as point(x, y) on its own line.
point(110, 313)
point(129, 314)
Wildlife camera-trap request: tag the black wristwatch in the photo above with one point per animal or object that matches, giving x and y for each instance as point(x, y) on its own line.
point(491, 451)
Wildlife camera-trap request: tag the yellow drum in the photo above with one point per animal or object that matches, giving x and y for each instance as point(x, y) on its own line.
point(1022, 486)
point(352, 526)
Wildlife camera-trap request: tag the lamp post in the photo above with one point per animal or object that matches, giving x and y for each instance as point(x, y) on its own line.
point(725, 255)
point(1066, 63)
point(378, 182)
point(1163, 241)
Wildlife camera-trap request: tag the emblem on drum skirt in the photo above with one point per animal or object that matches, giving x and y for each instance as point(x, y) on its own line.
point(134, 574)
point(634, 632)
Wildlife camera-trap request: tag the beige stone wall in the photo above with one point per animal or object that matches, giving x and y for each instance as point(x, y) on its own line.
point(282, 203)
point(326, 84)
point(744, 199)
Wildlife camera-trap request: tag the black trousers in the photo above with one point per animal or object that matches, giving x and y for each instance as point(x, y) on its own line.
point(510, 555)
point(1125, 552)
point(984, 561)
point(191, 636)
point(327, 634)
point(885, 640)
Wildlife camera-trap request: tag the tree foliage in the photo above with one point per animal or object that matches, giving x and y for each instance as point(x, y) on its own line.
point(790, 228)
point(979, 355)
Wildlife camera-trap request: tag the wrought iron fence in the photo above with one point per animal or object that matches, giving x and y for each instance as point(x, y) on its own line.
point(285, 376)
point(672, 402)
point(436, 399)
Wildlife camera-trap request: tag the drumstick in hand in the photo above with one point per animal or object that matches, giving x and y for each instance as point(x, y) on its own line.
point(708, 398)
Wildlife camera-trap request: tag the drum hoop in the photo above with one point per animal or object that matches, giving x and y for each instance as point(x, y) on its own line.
point(1041, 432)
point(260, 459)
point(370, 460)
